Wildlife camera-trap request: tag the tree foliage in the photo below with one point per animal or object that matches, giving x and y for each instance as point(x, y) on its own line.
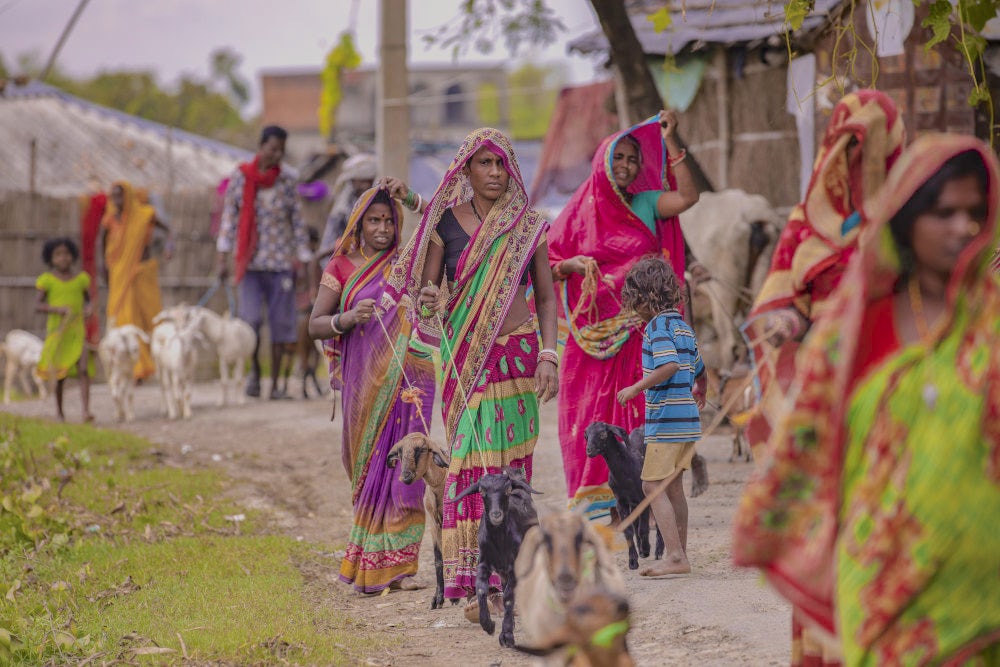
point(483, 23)
point(532, 100)
point(193, 104)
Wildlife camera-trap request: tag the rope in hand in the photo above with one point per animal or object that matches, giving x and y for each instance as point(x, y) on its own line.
point(411, 394)
point(458, 380)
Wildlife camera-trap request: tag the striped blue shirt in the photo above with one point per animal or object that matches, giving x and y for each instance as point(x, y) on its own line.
point(671, 413)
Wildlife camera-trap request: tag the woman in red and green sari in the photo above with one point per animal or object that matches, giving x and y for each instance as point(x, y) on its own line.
point(387, 391)
point(480, 239)
point(875, 512)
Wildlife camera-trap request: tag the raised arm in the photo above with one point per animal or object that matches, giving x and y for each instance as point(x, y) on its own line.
point(686, 195)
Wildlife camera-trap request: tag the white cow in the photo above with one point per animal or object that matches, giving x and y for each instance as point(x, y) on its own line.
point(733, 234)
point(119, 351)
point(23, 351)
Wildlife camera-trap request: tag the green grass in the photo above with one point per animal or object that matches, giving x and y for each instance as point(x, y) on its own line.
point(136, 558)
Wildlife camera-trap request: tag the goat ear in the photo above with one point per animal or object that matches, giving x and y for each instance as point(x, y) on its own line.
point(474, 488)
point(438, 456)
point(620, 433)
point(393, 459)
point(521, 484)
point(526, 555)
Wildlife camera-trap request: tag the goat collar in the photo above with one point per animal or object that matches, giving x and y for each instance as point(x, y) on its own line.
point(604, 637)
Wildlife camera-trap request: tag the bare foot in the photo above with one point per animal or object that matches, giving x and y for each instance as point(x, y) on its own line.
point(407, 584)
point(666, 567)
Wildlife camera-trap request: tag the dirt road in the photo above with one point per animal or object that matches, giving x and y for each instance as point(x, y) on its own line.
point(286, 456)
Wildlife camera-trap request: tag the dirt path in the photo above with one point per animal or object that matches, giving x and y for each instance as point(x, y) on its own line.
point(286, 456)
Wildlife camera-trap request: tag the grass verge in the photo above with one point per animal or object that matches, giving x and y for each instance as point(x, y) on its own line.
point(108, 553)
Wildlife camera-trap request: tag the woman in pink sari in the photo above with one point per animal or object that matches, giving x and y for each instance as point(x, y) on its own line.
point(627, 209)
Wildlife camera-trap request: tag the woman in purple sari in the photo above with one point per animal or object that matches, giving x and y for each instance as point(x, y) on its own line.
point(387, 392)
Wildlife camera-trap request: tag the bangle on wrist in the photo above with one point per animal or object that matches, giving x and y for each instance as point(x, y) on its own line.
point(548, 355)
point(674, 161)
point(334, 322)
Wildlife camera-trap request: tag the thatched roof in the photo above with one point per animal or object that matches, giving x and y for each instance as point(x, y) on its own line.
point(697, 24)
point(80, 145)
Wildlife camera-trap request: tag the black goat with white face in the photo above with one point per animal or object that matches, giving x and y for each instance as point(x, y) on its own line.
point(508, 513)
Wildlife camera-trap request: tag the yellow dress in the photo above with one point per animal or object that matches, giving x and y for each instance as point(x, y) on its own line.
point(133, 283)
point(64, 333)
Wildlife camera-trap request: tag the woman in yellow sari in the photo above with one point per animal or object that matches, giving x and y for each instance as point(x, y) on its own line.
point(876, 513)
point(132, 272)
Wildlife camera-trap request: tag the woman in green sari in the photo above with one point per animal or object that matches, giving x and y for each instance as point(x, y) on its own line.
point(877, 515)
point(482, 242)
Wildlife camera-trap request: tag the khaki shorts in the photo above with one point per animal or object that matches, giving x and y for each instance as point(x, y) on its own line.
point(665, 458)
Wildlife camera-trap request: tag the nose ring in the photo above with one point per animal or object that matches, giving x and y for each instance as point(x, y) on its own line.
point(974, 228)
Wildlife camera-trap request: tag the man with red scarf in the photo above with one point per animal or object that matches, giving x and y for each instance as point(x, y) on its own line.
point(263, 229)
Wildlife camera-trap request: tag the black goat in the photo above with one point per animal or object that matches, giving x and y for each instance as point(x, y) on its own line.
point(508, 513)
point(624, 458)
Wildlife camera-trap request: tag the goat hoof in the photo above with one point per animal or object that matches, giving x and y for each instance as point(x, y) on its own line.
point(633, 564)
point(489, 626)
point(437, 602)
point(507, 639)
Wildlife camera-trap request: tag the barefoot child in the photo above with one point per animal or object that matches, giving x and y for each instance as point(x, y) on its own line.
point(671, 367)
point(63, 294)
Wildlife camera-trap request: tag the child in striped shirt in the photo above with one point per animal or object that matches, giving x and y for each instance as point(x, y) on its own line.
point(674, 383)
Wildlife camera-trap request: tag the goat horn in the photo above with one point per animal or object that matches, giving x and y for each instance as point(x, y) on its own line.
point(474, 488)
point(524, 485)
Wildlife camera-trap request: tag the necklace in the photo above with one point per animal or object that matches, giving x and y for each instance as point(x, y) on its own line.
point(917, 306)
point(475, 210)
point(361, 249)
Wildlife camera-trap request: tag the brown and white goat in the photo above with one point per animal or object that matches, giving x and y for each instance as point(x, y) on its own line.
point(593, 632)
point(558, 556)
point(419, 457)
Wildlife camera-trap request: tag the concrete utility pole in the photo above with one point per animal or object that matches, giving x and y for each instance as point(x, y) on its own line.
point(392, 125)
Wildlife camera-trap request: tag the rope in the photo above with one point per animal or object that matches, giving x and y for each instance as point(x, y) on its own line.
point(209, 293)
point(411, 394)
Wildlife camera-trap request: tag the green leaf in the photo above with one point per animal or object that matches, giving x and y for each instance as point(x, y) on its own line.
point(977, 12)
point(661, 19)
point(939, 21)
point(796, 12)
point(14, 588)
point(979, 95)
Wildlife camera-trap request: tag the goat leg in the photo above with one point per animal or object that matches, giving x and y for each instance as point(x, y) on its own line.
point(643, 534)
point(507, 629)
point(438, 601)
point(699, 475)
point(633, 554)
point(483, 598)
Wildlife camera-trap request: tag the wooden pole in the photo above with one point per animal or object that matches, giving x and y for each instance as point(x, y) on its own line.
point(392, 124)
point(32, 164)
point(722, 108)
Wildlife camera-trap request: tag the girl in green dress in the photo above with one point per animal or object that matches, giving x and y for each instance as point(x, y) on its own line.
point(63, 295)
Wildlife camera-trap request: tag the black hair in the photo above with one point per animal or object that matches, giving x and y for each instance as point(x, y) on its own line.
point(272, 131)
point(966, 163)
point(651, 281)
point(381, 196)
point(632, 140)
point(50, 247)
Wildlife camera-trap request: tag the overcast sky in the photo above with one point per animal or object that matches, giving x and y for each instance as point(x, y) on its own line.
point(177, 36)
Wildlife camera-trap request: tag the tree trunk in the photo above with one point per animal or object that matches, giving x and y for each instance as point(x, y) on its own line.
point(641, 97)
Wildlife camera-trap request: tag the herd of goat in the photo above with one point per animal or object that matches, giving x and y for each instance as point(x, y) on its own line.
point(568, 590)
point(179, 334)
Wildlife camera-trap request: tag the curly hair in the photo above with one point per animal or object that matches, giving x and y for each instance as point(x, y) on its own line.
point(651, 282)
point(50, 247)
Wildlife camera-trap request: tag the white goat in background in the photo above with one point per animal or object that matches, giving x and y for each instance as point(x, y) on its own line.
point(119, 351)
point(174, 349)
point(234, 341)
point(23, 351)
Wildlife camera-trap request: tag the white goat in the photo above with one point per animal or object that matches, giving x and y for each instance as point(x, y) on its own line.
point(119, 351)
point(174, 350)
point(234, 341)
point(23, 351)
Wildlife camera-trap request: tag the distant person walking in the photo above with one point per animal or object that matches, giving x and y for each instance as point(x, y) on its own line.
point(132, 270)
point(262, 228)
